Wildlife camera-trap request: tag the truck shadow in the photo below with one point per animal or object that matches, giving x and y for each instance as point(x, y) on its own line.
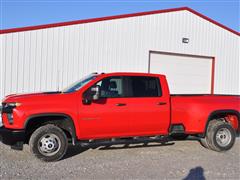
point(130, 146)
point(78, 149)
point(74, 150)
point(196, 173)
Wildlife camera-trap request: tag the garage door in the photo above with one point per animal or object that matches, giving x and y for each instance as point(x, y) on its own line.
point(185, 74)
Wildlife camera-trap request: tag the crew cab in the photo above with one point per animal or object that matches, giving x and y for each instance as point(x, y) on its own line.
point(115, 106)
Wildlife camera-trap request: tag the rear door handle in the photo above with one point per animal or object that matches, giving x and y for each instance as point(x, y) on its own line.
point(120, 104)
point(161, 103)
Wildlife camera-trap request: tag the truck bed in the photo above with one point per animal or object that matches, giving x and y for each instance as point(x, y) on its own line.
point(193, 111)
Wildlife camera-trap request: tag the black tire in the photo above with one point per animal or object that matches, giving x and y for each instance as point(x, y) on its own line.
point(179, 136)
point(220, 135)
point(204, 143)
point(47, 137)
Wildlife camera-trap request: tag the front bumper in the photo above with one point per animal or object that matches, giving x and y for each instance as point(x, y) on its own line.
point(11, 136)
point(1, 123)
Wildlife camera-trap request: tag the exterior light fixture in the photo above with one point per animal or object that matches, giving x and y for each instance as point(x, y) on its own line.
point(185, 40)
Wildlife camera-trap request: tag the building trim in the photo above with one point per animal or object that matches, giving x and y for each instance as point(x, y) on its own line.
point(29, 28)
point(213, 75)
point(187, 55)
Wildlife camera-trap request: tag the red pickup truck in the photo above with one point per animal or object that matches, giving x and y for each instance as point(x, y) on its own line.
point(115, 105)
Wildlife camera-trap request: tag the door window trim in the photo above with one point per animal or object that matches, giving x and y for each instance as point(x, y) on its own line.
point(158, 84)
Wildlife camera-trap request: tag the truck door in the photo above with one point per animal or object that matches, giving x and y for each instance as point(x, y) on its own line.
point(148, 106)
point(108, 116)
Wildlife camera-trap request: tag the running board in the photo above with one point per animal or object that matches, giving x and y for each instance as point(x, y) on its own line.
point(118, 141)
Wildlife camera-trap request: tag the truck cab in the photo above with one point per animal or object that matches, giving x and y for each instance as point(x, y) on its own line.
point(123, 106)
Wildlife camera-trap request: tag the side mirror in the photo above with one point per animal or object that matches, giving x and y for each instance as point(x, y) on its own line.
point(95, 91)
point(92, 94)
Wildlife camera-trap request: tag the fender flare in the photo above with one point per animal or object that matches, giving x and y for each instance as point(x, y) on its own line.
point(217, 112)
point(68, 119)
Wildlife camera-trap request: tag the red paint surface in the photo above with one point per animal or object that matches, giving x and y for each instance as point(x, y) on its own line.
point(29, 28)
point(233, 120)
point(140, 116)
point(193, 111)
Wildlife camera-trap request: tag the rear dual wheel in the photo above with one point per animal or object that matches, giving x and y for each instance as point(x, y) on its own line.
point(220, 136)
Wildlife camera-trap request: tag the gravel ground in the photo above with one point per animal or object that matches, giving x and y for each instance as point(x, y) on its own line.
point(177, 160)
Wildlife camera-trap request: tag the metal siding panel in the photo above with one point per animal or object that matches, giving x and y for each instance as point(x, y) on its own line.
point(8, 64)
point(50, 59)
point(69, 57)
point(32, 62)
point(44, 57)
point(80, 52)
point(21, 60)
point(2, 54)
point(75, 55)
point(65, 56)
point(14, 64)
point(38, 58)
point(55, 60)
point(50, 66)
point(61, 54)
point(27, 54)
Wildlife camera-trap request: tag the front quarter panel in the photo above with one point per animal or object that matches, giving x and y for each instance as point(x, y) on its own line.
point(42, 104)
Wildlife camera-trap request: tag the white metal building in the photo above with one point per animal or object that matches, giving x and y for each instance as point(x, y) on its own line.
point(197, 54)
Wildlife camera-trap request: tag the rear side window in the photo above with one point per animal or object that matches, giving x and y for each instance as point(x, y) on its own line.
point(142, 86)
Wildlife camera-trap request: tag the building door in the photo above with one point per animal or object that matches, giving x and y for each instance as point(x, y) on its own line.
point(186, 74)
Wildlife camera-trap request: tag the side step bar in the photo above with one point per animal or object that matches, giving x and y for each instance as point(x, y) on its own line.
point(118, 141)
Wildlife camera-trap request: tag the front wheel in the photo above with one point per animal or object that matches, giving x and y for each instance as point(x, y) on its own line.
point(48, 143)
point(220, 135)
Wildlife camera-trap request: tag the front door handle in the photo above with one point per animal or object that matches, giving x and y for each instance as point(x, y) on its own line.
point(120, 104)
point(161, 103)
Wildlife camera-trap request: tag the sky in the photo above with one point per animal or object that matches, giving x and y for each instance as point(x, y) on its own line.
point(21, 13)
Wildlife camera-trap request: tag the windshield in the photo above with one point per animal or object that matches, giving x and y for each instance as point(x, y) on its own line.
point(77, 85)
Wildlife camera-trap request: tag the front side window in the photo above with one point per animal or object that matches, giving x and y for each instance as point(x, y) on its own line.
point(111, 87)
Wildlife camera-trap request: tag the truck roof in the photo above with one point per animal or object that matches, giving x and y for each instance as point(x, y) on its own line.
point(132, 74)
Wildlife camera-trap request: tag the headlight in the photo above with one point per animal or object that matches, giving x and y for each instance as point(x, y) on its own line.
point(13, 104)
point(8, 109)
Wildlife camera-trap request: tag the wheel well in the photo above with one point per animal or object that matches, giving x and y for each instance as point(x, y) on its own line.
point(61, 121)
point(221, 115)
point(224, 114)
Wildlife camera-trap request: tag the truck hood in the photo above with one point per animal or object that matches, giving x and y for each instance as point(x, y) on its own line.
point(23, 96)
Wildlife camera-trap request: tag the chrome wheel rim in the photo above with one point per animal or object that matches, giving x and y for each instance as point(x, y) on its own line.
point(223, 137)
point(49, 144)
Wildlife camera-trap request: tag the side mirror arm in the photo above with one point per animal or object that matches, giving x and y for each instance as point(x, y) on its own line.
point(86, 101)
